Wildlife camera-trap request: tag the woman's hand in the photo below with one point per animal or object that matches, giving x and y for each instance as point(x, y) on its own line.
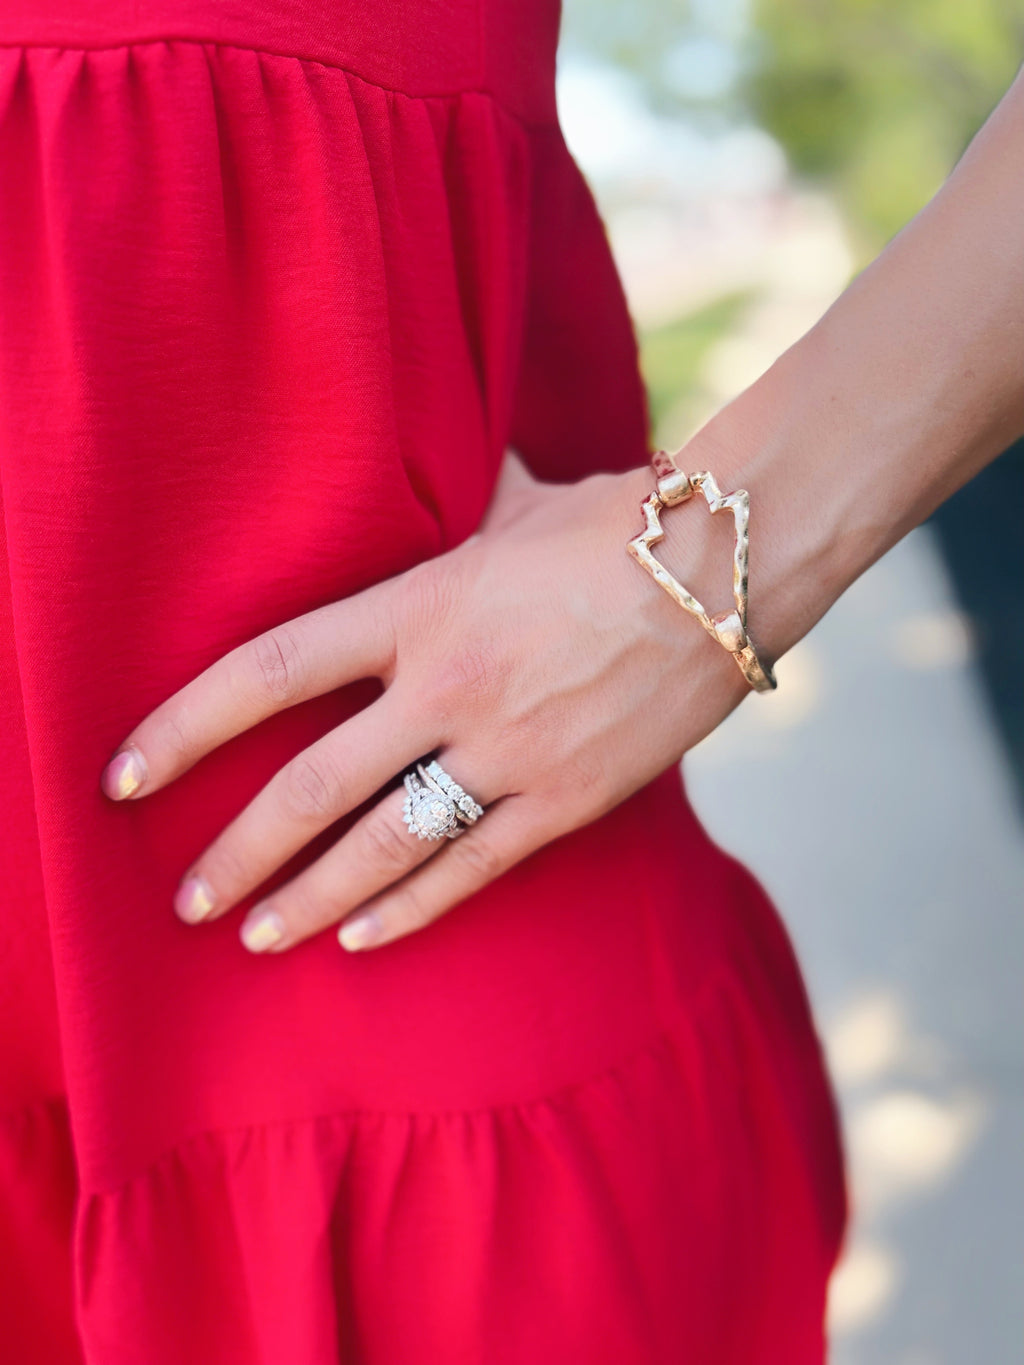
point(550, 674)
point(546, 670)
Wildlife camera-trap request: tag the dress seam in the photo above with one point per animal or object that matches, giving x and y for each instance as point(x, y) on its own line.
point(659, 1040)
point(538, 124)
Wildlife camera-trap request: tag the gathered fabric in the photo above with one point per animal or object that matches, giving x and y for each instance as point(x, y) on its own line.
point(279, 284)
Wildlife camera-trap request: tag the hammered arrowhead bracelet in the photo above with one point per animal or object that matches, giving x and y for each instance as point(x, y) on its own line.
point(729, 628)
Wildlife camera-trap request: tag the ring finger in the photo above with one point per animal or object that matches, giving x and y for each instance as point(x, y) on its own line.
point(318, 786)
point(377, 851)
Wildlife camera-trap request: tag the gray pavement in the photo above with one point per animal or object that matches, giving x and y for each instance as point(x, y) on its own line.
point(870, 796)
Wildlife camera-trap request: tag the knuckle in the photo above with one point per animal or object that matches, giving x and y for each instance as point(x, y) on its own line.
point(311, 790)
point(302, 911)
point(174, 736)
point(388, 843)
point(483, 860)
point(527, 730)
point(430, 593)
point(472, 671)
point(225, 870)
point(277, 664)
point(409, 910)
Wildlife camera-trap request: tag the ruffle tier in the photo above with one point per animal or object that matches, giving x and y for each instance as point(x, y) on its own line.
point(684, 1203)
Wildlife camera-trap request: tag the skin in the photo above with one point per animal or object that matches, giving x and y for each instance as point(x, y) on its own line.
point(548, 672)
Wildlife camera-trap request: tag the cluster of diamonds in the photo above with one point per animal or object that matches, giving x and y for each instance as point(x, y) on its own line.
point(428, 814)
point(468, 809)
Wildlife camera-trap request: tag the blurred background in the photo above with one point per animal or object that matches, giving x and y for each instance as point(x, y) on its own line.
point(749, 157)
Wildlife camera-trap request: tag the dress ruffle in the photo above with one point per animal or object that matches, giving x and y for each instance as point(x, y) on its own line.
point(524, 1232)
point(266, 329)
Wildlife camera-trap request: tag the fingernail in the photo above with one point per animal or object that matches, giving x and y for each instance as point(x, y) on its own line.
point(124, 774)
point(361, 932)
point(262, 930)
point(193, 900)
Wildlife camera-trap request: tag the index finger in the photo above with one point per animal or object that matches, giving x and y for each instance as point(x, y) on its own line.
point(306, 657)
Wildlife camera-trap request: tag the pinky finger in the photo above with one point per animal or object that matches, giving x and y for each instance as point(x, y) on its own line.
point(511, 829)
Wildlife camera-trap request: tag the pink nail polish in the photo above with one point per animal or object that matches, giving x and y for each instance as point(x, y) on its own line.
point(124, 774)
point(193, 900)
point(361, 932)
point(262, 930)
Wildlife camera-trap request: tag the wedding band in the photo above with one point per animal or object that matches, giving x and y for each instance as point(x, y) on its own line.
point(435, 806)
point(435, 776)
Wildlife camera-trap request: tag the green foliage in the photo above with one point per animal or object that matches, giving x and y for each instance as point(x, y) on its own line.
point(671, 356)
point(874, 99)
point(880, 97)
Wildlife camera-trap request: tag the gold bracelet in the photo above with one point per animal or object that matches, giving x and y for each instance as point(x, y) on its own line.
point(729, 628)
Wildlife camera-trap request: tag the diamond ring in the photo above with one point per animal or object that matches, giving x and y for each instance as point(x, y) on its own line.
point(435, 806)
point(435, 776)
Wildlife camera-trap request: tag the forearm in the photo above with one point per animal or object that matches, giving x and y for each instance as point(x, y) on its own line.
point(909, 384)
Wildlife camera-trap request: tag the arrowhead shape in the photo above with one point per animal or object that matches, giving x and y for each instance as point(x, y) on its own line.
point(728, 628)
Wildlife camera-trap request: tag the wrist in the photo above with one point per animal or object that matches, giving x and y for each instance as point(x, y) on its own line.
point(906, 387)
point(806, 539)
point(802, 541)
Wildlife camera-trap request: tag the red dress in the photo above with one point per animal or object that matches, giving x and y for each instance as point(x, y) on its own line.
point(279, 281)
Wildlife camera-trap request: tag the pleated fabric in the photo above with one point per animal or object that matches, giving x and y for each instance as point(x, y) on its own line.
point(279, 283)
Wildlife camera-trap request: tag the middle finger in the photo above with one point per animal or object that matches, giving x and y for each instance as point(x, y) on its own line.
point(318, 786)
